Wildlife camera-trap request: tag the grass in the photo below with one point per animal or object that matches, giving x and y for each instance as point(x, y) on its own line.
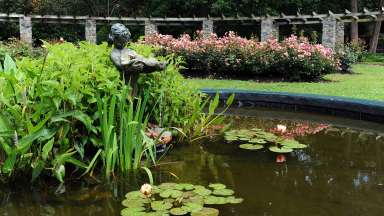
point(366, 83)
point(374, 59)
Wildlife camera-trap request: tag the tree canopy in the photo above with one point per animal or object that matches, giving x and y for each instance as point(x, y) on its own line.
point(177, 7)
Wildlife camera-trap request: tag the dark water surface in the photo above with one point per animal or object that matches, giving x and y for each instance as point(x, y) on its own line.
point(340, 173)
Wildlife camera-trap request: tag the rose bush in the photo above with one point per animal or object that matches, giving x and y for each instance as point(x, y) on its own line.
point(233, 56)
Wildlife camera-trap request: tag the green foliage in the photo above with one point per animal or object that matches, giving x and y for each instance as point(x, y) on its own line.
point(122, 124)
point(17, 49)
point(48, 105)
point(64, 112)
point(351, 53)
point(177, 199)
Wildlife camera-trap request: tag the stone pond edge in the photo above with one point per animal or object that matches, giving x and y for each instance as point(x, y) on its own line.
point(367, 110)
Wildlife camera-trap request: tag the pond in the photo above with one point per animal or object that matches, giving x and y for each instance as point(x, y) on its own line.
point(340, 173)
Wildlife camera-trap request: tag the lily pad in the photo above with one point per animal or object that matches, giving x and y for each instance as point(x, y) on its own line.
point(214, 200)
point(249, 146)
point(223, 192)
point(206, 212)
point(160, 205)
point(131, 203)
point(184, 187)
point(234, 200)
point(202, 191)
point(280, 150)
point(133, 211)
point(217, 186)
point(291, 143)
point(171, 194)
point(192, 207)
point(134, 195)
point(258, 141)
point(167, 185)
point(178, 211)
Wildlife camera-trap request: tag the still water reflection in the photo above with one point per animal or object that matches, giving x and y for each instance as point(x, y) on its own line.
point(340, 173)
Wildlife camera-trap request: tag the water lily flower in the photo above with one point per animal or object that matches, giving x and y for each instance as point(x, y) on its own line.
point(281, 128)
point(280, 159)
point(146, 190)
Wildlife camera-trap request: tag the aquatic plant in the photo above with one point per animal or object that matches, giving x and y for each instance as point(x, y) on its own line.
point(256, 139)
point(178, 199)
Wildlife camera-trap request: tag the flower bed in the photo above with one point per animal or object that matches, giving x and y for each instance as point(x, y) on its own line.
point(233, 56)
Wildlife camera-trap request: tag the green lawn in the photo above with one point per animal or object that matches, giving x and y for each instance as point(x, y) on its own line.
point(374, 59)
point(366, 83)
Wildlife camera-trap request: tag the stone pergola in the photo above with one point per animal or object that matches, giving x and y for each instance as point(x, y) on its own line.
point(332, 33)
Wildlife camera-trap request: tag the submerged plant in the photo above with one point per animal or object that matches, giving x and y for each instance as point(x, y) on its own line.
point(178, 199)
point(256, 139)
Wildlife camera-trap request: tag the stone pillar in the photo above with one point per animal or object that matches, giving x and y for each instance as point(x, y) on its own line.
point(329, 32)
point(25, 24)
point(340, 33)
point(150, 28)
point(90, 31)
point(207, 27)
point(269, 29)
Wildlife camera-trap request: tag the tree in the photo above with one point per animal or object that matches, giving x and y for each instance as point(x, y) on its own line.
point(376, 32)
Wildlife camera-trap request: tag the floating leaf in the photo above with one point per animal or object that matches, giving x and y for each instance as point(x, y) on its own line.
point(134, 195)
point(258, 141)
point(132, 211)
point(280, 150)
point(202, 191)
point(171, 193)
point(217, 186)
point(167, 185)
point(192, 207)
point(234, 200)
point(178, 211)
point(214, 200)
point(223, 192)
point(291, 143)
point(184, 187)
point(130, 203)
point(206, 212)
point(160, 205)
point(251, 146)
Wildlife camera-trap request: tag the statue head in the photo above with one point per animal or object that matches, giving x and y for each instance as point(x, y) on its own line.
point(119, 35)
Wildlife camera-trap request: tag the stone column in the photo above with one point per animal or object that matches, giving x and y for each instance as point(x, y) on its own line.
point(269, 29)
point(207, 27)
point(340, 33)
point(150, 28)
point(329, 32)
point(25, 24)
point(90, 31)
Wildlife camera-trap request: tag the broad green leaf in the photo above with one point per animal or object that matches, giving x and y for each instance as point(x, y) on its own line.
point(9, 163)
point(37, 169)
point(47, 148)
point(9, 65)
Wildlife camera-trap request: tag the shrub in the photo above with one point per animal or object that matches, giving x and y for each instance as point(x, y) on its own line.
point(350, 53)
point(18, 49)
point(233, 56)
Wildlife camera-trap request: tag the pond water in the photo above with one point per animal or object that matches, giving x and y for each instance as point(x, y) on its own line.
point(340, 173)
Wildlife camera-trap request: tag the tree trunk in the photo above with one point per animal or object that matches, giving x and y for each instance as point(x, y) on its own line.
point(376, 32)
point(354, 24)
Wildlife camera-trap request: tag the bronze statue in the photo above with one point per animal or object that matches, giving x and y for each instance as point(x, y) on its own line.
point(128, 61)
